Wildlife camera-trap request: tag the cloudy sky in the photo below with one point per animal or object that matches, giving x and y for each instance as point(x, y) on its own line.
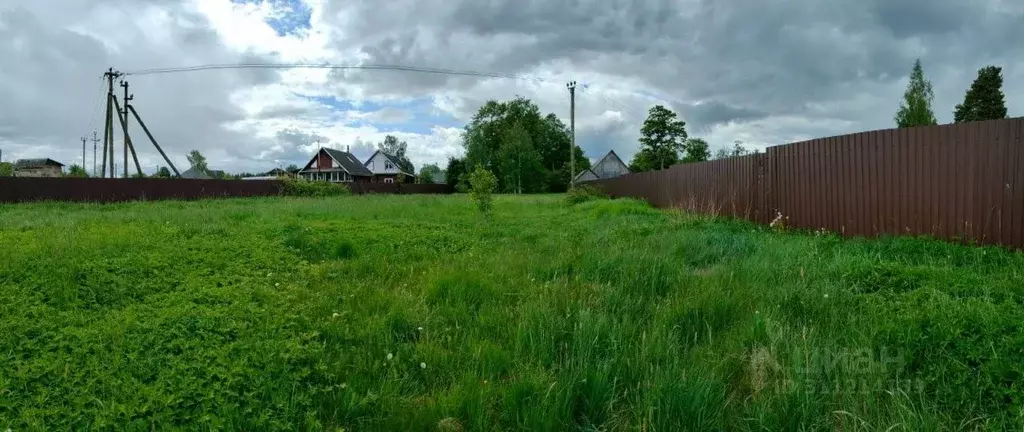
point(762, 71)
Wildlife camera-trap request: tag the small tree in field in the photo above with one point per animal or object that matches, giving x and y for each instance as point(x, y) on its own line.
point(482, 184)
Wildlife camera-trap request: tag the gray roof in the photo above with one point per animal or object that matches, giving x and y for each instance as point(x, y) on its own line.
point(35, 163)
point(193, 173)
point(611, 165)
point(585, 175)
point(349, 162)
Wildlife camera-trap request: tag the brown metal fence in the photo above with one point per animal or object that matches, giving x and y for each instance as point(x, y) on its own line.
point(24, 189)
point(953, 181)
point(396, 188)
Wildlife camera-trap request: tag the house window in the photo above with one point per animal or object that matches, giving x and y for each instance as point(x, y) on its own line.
point(334, 176)
point(387, 165)
point(389, 180)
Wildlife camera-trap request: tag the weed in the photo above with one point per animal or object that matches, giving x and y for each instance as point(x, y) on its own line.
point(405, 313)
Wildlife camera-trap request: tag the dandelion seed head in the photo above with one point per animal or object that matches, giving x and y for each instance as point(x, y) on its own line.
point(390, 356)
point(423, 365)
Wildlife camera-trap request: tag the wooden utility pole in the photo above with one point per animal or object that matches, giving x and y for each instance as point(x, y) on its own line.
point(153, 140)
point(95, 140)
point(572, 133)
point(108, 131)
point(129, 147)
point(124, 125)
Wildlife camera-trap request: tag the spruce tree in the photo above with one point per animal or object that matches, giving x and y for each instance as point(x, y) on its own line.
point(916, 108)
point(984, 100)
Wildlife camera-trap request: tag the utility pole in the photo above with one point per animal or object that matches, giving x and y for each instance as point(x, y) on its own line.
point(128, 146)
point(94, 141)
point(572, 133)
point(108, 131)
point(124, 125)
point(84, 139)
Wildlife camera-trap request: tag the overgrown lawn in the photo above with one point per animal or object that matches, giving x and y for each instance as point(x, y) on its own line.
point(416, 313)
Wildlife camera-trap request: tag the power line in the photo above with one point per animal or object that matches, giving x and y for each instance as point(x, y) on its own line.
point(95, 107)
point(439, 71)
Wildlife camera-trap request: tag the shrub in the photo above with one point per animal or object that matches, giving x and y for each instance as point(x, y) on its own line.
point(481, 185)
point(584, 193)
point(306, 188)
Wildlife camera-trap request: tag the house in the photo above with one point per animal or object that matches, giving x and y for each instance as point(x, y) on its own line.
point(38, 168)
point(200, 174)
point(385, 168)
point(610, 166)
point(335, 166)
point(278, 172)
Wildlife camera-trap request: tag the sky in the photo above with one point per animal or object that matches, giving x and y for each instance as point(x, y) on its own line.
point(765, 72)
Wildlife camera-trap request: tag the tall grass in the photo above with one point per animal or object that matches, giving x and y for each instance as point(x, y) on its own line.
point(416, 313)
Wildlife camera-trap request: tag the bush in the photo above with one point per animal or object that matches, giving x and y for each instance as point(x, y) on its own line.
point(584, 193)
point(482, 184)
point(306, 188)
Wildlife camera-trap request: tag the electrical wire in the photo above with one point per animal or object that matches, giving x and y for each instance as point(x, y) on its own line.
point(95, 108)
point(440, 71)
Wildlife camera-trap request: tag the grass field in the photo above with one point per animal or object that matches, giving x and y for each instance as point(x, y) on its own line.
point(415, 313)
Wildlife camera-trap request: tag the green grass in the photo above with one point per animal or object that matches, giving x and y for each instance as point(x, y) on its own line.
point(317, 314)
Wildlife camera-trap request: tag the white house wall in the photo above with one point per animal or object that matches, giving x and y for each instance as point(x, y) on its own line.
point(378, 164)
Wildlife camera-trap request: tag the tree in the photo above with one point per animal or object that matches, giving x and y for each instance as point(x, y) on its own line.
point(6, 169)
point(545, 168)
point(455, 172)
point(984, 100)
point(916, 108)
point(162, 172)
point(482, 184)
point(661, 138)
point(77, 171)
point(393, 147)
point(197, 160)
point(737, 150)
point(697, 150)
point(293, 169)
point(429, 173)
point(520, 163)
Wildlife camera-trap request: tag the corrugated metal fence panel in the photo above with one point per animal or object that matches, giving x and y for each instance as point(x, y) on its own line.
point(962, 181)
point(21, 189)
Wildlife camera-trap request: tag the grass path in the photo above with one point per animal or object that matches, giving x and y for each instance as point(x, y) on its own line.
point(413, 313)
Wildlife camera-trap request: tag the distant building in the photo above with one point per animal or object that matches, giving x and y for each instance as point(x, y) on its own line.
point(278, 172)
point(38, 168)
point(335, 166)
point(610, 166)
point(197, 174)
point(385, 168)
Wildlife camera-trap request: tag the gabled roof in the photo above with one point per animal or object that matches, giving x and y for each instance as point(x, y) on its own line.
point(194, 173)
point(346, 161)
point(611, 157)
point(390, 158)
point(584, 173)
point(35, 163)
point(611, 154)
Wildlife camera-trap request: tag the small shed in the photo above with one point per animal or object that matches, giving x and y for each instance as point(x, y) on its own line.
point(38, 168)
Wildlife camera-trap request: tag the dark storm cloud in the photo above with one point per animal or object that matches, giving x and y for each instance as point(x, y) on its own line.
point(743, 59)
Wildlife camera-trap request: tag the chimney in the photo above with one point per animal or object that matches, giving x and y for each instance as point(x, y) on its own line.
point(348, 149)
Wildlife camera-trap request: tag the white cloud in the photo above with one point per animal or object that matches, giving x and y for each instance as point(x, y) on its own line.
point(748, 70)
